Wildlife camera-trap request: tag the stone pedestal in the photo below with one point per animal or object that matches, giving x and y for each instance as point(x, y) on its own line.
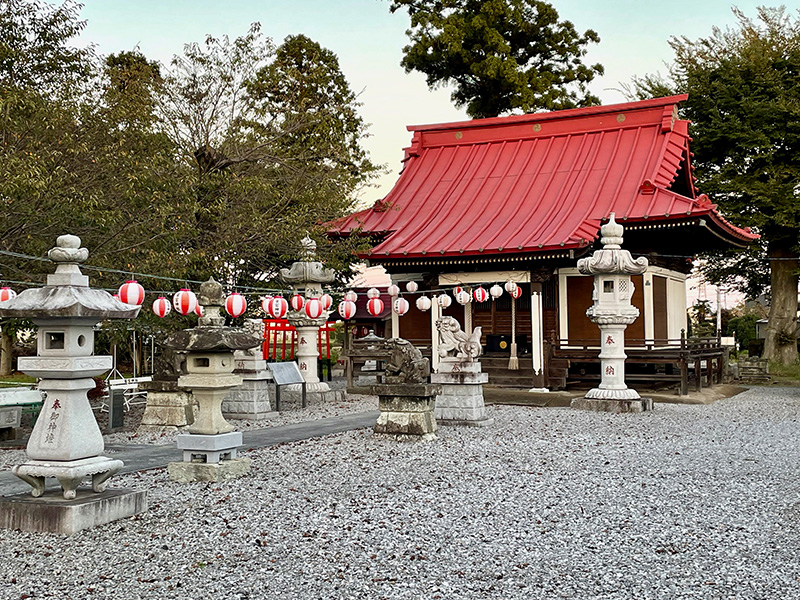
point(406, 411)
point(168, 407)
point(615, 405)
point(51, 513)
point(461, 400)
point(251, 400)
point(308, 352)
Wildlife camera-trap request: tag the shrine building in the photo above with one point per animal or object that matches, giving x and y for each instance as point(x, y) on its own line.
point(522, 198)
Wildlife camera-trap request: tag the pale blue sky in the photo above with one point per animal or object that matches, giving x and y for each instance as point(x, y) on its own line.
point(369, 40)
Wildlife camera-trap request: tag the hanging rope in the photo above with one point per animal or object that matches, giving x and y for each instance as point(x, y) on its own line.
point(513, 362)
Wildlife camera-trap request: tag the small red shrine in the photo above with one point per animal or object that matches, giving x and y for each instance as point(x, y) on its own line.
point(522, 198)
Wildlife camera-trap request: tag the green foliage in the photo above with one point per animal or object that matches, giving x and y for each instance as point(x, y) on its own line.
point(501, 55)
point(744, 327)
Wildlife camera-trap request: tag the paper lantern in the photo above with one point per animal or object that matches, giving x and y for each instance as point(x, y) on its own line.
point(131, 292)
point(444, 300)
point(516, 293)
point(457, 290)
point(265, 303)
point(400, 306)
point(373, 293)
point(350, 296)
point(375, 306)
point(184, 301)
point(423, 303)
point(463, 297)
point(480, 295)
point(313, 308)
point(412, 287)
point(278, 307)
point(393, 290)
point(6, 293)
point(297, 302)
point(496, 291)
point(327, 301)
point(347, 309)
point(199, 310)
point(235, 304)
point(161, 307)
point(511, 286)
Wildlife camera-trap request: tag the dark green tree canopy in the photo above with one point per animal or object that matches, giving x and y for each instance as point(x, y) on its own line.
point(501, 55)
point(744, 104)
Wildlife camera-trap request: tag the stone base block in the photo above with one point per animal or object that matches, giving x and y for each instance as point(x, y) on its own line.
point(636, 405)
point(167, 411)
point(461, 404)
point(251, 400)
point(294, 397)
point(407, 425)
point(209, 448)
point(187, 472)
point(54, 514)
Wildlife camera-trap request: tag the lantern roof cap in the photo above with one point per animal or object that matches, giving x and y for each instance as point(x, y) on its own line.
point(67, 293)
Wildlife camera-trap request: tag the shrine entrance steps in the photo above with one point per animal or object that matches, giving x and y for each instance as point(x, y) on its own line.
point(496, 366)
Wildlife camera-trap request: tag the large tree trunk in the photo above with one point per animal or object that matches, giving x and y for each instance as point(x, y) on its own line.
point(781, 344)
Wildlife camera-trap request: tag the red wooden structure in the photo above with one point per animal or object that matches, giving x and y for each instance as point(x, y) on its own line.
point(280, 340)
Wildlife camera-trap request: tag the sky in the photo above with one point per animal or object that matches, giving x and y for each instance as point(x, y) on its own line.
point(368, 40)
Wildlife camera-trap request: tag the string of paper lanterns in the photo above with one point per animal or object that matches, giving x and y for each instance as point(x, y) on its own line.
point(185, 301)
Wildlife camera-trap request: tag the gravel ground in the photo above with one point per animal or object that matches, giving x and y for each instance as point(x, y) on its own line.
point(684, 502)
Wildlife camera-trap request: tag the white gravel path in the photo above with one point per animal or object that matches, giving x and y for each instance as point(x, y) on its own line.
point(683, 502)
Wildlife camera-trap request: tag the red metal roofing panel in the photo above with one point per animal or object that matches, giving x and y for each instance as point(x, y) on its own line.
point(534, 182)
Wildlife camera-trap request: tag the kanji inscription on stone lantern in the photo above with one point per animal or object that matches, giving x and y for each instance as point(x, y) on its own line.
point(612, 310)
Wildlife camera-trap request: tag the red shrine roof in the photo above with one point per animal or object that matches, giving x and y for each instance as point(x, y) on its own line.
point(538, 182)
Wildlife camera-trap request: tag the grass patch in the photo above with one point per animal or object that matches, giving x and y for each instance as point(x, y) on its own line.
point(16, 379)
point(785, 374)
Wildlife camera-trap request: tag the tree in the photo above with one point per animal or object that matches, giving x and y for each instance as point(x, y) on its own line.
point(274, 142)
point(501, 55)
point(744, 104)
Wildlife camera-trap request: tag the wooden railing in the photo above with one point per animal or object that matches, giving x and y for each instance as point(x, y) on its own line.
point(650, 360)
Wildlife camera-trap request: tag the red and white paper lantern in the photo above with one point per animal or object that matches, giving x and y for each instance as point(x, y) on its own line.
point(297, 302)
point(131, 292)
point(463, 297)
point(424, 303)
point(313, 308)
point(184, 301)
point(278, 307)
point(480, 295)
point(400, 306)
point(199, 310)
point(444, 300)
point(375, 306)
point(495, 291)
point(511, 286)
point(235, 304)
point(6, 293)
point(265, 303)
point(161, 307)
point(412, 287)
point(373, 293)
point(516, 293)
point(457, 290)
point(393, 290)
point(347, 309)
point(327, 301)
point(350, 296)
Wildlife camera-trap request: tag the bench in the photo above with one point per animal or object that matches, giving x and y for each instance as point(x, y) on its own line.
point(14, 402)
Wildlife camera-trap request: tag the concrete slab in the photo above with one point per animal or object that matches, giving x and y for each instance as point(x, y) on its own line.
point(51, 513)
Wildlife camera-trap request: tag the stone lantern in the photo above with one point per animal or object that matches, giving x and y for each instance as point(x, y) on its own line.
point(210, 447)
point(612, 310)
point(66, 442)
point(307, 277)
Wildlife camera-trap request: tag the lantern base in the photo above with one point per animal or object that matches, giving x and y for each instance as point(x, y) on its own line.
point(612, 394)
point(636, 405)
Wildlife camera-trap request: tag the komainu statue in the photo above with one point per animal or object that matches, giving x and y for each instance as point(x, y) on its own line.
point(454, 342)
point(406, 364)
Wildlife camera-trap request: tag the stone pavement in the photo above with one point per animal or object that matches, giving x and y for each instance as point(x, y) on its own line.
point(140, 457)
